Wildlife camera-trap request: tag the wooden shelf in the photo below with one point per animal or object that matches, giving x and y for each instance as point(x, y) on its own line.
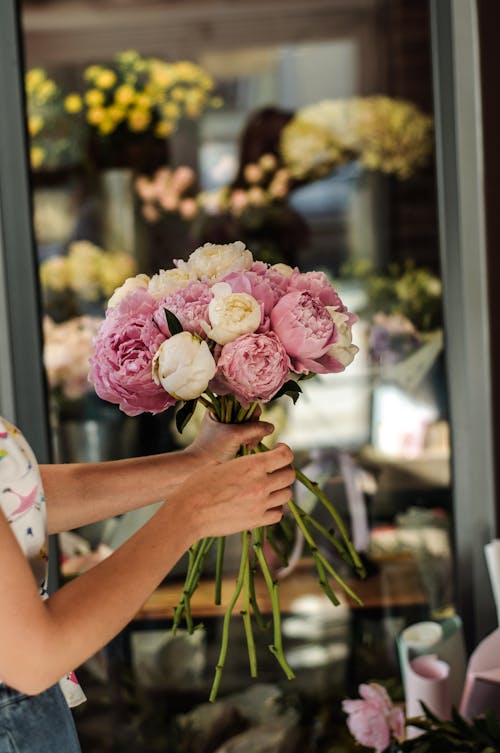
point(396, 585)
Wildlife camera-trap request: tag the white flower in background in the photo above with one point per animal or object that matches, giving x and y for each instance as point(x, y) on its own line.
point(231, 314)
point(343, 349)
point(67, 349)
point(139, 281)
point(183, 366)
point(168, 281)
point(212, 261)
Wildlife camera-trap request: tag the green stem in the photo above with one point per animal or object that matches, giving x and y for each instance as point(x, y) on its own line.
point(227, 618)
point(221, 545)
point(263, 625)
point(245, 613)
point(317, 554)
point(314, 488)
point(326, 533)
point(195, 569)
point(276, 648)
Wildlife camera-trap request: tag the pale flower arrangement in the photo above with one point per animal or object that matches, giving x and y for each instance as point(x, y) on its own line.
point(230, 333)
point(173, 191)
point(385, 134)
point(66, 352)
point(87, 271)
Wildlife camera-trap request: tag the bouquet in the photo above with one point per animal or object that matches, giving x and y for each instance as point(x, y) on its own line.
point(230, 333)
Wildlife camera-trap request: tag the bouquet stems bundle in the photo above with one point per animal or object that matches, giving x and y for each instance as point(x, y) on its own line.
point(253, 559)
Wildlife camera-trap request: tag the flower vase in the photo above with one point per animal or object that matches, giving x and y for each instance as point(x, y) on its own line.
point(118, 222)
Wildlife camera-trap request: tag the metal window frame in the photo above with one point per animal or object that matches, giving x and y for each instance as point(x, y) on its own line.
point(461, 207)
point(22, 381)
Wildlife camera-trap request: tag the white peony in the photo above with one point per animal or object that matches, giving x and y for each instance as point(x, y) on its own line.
point(168, 281)
point(231, 314)
point(342, 349)
point(213, 262)
point(183, 366)
point(131, 283)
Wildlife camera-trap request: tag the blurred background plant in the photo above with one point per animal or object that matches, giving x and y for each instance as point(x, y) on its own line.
point(82, 280)
point(403, 305)
point(67, 349)
point(145, 94)
point(383, 133)
point(55, 124)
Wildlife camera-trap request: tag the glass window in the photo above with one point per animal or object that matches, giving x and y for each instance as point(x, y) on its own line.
point(305, 132)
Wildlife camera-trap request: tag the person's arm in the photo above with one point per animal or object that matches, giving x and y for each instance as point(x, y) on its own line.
point(82, 493)
point(40, 641)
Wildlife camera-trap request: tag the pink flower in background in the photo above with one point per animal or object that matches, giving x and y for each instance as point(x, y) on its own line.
point(305, 328)
point(374, 720)
point(120, 368)
point(253, 367)
point(190, 306)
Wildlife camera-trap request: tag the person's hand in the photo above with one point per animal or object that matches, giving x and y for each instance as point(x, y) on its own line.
point(241, 494)
point(219, 442)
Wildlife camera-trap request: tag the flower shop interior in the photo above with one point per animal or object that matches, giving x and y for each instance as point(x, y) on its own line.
point(355, 138)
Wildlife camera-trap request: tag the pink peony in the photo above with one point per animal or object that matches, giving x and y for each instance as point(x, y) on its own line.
point(190, 306)
point(318, 285)
point(374, 721)
point(120, 368)
point(305, 328)
point(252, 367)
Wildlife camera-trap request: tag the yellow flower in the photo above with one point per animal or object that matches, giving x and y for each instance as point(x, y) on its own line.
point(73, 103)
point(54, 273)
point(178, 93)
point(35, 124)
point(164, 129)
point(139, 120)
point(92, 72)
point(96, 115)
point(37, 156)
point(171, 110)
point(117, 114)
point(107, 125)
point(106, 79)
point(193, 109)
point(94, 97)
point(114, 269)
point(162, 74)
point(142, 101)
point(124, 94)
point(34, 78)
point(46, 90)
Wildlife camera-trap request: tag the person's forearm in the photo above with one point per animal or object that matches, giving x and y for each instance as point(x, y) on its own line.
point(82, 493)
point(87, 612)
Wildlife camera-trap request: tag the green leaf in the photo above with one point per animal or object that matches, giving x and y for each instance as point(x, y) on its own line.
point(304, 377)
point(174, 325)
point(184, 414)
point(290, 388)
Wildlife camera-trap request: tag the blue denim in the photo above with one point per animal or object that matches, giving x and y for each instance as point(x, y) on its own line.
point(36, 724)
